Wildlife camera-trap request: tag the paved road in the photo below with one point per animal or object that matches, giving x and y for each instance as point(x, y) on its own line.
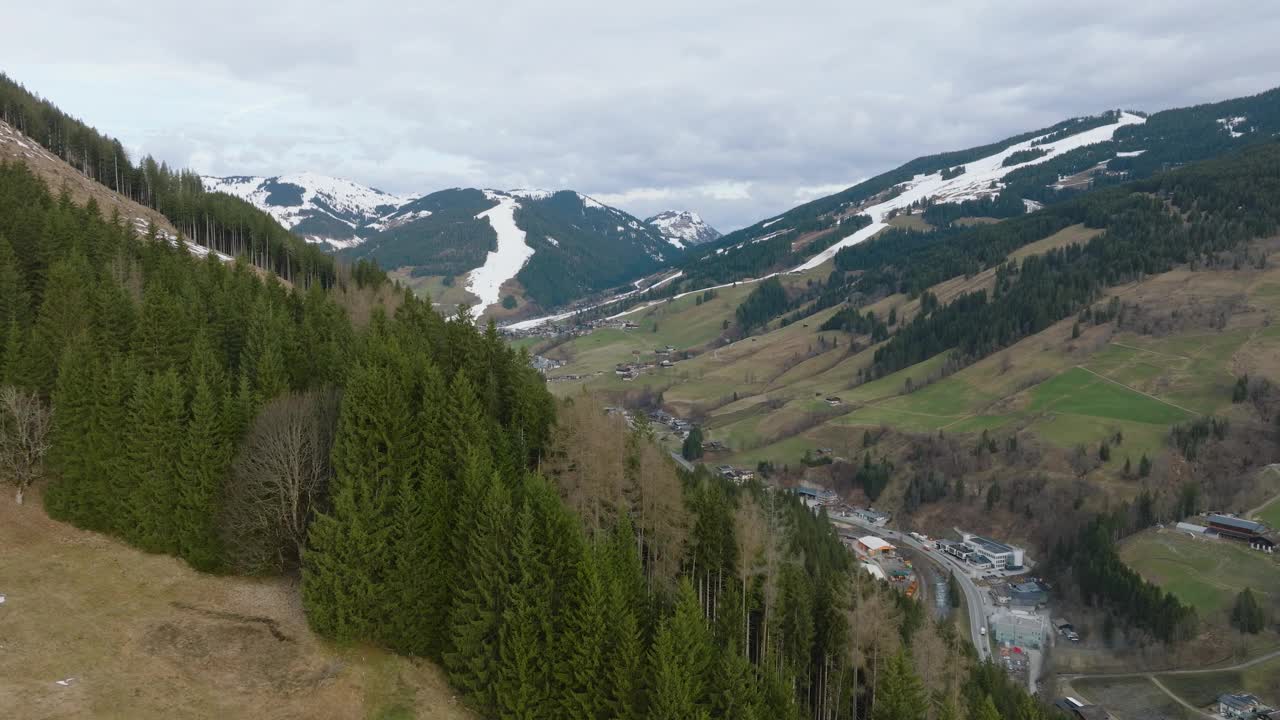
point(681, 461)
point(972, 595)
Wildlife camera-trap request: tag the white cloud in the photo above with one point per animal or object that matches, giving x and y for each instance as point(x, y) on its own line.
point(698, 105)
point(810, 192)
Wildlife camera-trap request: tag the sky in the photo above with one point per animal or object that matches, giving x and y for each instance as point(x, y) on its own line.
point(738, 110)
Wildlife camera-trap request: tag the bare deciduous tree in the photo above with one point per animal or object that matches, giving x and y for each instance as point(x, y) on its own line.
point(24, 437)
point(278, 481)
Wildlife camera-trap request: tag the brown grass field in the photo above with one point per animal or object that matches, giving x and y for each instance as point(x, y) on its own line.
point(144, 636)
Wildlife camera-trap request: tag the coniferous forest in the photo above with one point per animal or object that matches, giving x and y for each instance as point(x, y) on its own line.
point(433, 497)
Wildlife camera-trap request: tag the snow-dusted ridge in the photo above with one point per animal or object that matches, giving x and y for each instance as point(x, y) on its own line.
point(350, 203)
point(974, 182)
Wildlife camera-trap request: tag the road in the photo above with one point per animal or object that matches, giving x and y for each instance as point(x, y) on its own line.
point(972, 595)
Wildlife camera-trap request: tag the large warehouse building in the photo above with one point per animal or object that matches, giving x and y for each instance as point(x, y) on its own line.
point(872, 545)
point(1002, 557)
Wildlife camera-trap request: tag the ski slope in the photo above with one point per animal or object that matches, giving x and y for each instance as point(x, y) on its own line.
point(973, 183)
point(502, 264)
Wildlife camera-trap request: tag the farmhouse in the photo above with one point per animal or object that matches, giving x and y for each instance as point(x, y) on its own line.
point(1239, 705)
point(1254, 533)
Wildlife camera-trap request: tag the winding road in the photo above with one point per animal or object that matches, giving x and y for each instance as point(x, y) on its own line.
point(972, 595)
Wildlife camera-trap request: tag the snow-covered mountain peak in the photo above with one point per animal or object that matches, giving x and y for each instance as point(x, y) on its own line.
point(683, 227)
point(318, 207)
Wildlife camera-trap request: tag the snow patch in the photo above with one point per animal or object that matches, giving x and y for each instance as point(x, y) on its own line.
point(485, 282)
point(553, 241)
point(1130, 153)
point(1230, 124)
point(1031, 205)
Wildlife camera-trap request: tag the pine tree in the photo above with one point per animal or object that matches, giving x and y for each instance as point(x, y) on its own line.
point(76, 495)
point(349, 554)
point(987, 710)
point(15, 302)
point(627, 602)
point(1247, 615)
point(204, 460)
point(582, 675)
point(523, 689)
point(480, 596)
point(156, 420)
point(899, 693)
point(63, 314)
point(734, 691)
point(109, 439)
point(679, 661)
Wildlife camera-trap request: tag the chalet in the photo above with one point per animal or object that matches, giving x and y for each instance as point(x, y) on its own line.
point(834, 401)
point(666, 364)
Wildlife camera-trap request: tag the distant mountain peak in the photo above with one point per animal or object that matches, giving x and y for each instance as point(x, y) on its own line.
point(318, 207)
point(683, 227)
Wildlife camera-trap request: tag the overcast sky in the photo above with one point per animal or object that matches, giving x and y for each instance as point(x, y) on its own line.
point(737, 110)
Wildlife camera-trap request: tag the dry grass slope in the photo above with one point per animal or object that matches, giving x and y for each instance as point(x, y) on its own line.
point(143, 636)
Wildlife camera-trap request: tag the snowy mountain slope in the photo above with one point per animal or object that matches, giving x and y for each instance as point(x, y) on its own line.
point(319, 208)
point(683, 227)
point(978, 178)
point(558, 245)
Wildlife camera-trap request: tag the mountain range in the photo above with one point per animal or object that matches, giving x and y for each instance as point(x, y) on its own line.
point(543, 248)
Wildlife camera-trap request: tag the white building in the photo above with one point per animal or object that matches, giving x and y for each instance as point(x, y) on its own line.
point(1002, 557)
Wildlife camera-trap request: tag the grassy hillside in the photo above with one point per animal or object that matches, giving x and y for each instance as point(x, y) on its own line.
point(144, 636)
point(1205, 573)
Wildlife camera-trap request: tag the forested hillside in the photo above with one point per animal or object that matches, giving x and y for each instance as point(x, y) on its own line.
point(215, 220)
point(413, 470)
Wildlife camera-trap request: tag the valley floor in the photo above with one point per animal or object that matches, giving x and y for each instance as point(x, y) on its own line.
point(90, 627)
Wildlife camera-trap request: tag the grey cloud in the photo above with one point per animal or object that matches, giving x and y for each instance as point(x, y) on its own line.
point(655, 103)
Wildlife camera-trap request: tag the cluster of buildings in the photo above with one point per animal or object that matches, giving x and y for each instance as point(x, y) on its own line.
point(677, 425)
point(737, 475)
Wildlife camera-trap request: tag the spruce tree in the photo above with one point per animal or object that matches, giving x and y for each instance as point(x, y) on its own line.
point(75, 495)
point(480, 596)
point(204, 461)
point(899, 693)
point(679, 661)
point(348, 557)
point(582, 674)
point(987, 710)
point(523, 689)
point(156, 420)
